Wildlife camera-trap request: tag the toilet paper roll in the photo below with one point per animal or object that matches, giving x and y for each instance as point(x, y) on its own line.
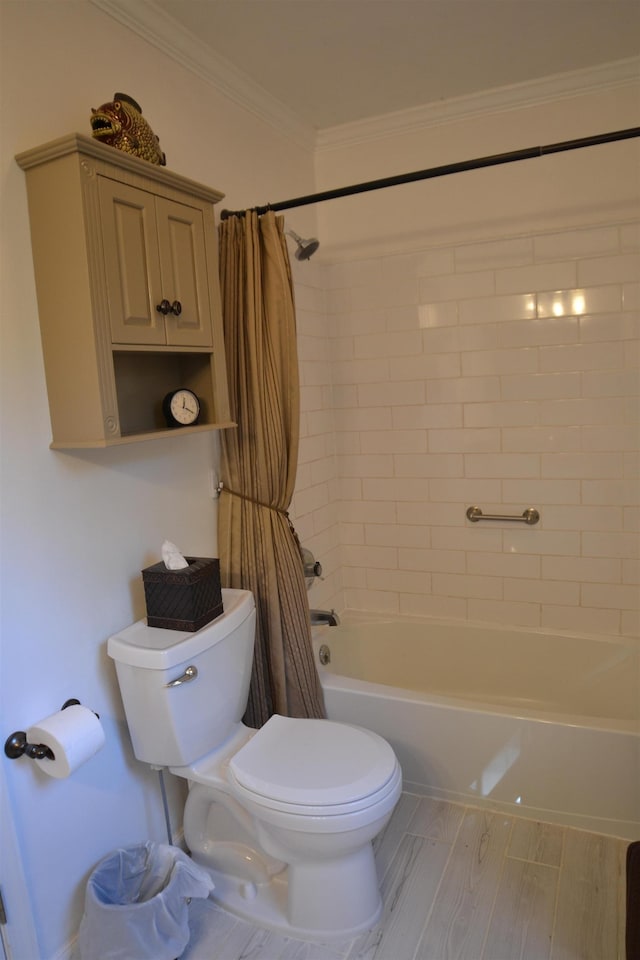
point(73, 735)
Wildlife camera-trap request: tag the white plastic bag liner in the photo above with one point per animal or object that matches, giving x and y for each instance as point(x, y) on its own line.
point(136, 904)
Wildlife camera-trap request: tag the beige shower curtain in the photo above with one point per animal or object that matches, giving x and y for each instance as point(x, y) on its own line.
point(259, 550)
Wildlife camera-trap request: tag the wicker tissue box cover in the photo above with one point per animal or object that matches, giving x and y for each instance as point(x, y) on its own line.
point(183, 599)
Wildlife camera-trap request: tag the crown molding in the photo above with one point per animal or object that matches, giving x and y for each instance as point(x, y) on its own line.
point(161, 30)
point(500, 99)
point(158, 28)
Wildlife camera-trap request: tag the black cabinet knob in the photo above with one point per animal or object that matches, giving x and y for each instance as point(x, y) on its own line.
point(164, 307)
point(176, 308)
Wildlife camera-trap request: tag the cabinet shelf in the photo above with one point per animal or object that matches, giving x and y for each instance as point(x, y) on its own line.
point(112, 237)
point(138, 437)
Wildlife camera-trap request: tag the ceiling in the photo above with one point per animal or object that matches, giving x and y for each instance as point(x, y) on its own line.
point(332, 62)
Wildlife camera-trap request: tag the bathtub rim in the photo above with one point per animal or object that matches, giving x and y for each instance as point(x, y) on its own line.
point(358, 617)
point(340, 682)
point(322, 634)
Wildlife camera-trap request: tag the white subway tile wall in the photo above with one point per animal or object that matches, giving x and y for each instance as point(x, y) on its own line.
point(503, 374)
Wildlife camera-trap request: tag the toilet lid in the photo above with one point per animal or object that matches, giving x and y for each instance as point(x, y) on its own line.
point(313, 762)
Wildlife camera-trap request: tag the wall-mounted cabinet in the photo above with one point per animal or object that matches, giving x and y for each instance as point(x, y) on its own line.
point(125, 257)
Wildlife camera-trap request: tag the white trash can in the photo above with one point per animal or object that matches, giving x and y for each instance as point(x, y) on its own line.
point(136, 904)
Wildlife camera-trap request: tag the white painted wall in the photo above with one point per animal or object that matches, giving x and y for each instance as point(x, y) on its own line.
point(77, 528)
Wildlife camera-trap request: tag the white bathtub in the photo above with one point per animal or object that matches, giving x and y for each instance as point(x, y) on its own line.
point(546, 726)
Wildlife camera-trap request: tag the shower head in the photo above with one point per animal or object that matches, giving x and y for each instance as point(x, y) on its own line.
point(306, 248)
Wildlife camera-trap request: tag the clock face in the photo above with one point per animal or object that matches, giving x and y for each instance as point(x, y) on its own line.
point(181, 407)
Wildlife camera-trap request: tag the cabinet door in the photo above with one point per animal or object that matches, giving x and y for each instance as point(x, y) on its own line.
point(132, 265)
point(183, 264)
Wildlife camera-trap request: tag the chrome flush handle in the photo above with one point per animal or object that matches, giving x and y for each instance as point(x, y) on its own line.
point(190, 674)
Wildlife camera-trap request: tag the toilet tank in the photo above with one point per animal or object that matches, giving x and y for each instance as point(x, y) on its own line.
point(173, 724)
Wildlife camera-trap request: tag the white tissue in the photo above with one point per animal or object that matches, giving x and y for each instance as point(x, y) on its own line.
point(73, 735)
point(173, 559)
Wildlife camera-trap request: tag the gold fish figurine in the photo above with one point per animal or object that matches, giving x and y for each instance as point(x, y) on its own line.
point(120, 124)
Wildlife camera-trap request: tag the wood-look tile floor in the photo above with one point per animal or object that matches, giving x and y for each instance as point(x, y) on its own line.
point(464, 883)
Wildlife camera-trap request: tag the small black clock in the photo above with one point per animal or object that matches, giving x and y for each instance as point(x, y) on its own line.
point(181, 408)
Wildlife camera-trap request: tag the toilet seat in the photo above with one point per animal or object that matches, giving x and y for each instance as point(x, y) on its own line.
point(314, 767)
point(315, 818)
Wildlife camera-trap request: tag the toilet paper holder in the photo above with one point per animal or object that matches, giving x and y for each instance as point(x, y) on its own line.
point(16, 745)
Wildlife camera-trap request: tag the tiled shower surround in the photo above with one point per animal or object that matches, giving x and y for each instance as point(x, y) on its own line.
point(502, 374)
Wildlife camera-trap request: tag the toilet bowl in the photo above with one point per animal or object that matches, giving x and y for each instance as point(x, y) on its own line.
point(307, 798)
point(282, 817)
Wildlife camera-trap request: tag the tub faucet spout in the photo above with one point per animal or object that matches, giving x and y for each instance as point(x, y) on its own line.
point(325, 616)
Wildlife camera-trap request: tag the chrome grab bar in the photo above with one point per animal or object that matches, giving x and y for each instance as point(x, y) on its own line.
point(530, 516)
point(189, 674)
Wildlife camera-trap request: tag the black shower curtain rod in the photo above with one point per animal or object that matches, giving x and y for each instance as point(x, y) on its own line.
point(443, 171)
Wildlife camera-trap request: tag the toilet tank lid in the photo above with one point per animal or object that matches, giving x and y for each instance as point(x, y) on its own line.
point(153, 648)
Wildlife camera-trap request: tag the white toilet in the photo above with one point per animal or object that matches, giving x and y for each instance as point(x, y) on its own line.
point(282, 817)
